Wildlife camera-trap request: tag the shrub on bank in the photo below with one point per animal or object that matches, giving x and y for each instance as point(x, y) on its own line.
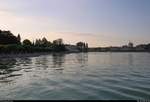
point(15, 49)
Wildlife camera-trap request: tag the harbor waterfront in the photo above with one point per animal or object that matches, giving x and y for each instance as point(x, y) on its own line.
point(92, 75)
point(75, 50)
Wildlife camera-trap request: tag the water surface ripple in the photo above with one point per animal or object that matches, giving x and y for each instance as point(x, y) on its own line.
point(76, 76)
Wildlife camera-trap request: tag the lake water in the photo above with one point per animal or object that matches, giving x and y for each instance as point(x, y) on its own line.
point(94, 75)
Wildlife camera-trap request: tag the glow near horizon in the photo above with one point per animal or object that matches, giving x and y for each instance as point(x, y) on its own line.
point(98, 22)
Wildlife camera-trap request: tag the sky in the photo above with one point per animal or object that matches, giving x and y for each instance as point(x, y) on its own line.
point(97, 22)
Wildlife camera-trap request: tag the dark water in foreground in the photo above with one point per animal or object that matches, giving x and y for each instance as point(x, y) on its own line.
point(76, 76)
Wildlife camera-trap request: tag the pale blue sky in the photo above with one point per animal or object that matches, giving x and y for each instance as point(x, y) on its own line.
point(98, 22)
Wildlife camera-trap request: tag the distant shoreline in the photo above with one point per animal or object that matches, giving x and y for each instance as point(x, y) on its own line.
point(119, 51)
point(12, 55)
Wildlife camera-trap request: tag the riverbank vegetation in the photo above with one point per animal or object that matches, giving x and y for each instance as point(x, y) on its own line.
point(12, 44)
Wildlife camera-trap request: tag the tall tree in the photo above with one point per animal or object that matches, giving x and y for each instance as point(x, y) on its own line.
point(19, 38)
point(27, 42)
point(6, 37)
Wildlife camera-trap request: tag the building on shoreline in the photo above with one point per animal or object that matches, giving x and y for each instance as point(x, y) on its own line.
point(72, 48)
point(125, 48)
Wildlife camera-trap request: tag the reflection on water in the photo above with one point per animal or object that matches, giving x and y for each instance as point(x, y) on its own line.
point(82, 59)
point(121, 59)
point(130, 57)
point(7, 68)
point(7, 63)
point(76, 76)
point(24, 61)
point(42, 61)
point(58, 60)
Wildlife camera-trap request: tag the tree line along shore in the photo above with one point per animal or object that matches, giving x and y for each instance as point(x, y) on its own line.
point(11, 44)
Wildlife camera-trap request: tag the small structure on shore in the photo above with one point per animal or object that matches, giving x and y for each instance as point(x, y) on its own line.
point(72, 48)
point(82, 46)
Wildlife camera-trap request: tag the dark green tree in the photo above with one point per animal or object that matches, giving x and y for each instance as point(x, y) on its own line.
point(27, 42)
point(6, 37)
point(19, 38)
point(58, 45)
point(82, 46)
